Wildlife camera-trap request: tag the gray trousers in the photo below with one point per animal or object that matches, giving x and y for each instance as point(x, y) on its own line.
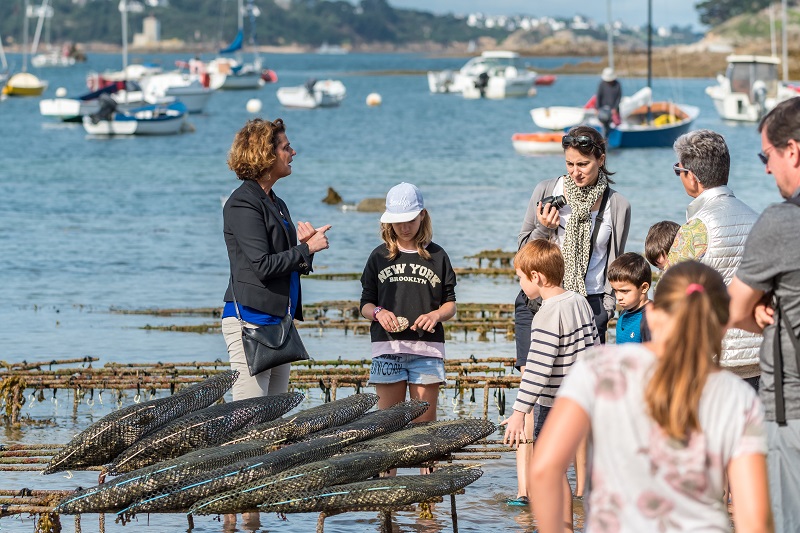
point(783, 464)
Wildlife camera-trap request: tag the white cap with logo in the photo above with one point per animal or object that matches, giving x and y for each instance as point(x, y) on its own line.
point(403, 203)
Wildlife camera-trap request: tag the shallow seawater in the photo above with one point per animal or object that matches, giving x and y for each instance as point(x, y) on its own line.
point(90, 224)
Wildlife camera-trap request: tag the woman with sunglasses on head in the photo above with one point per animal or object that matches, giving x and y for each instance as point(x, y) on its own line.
point(267, 253)
point(589, 221)
point(669, 428)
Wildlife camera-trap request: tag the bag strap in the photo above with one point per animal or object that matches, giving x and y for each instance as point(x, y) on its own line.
point(777, 363)
point(598, 221)
point(235, 303)
point(777, 349)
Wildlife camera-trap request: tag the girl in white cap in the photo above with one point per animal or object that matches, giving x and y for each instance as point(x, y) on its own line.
point(408, 288)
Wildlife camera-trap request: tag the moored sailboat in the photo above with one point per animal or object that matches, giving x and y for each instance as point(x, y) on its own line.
point(24, 83)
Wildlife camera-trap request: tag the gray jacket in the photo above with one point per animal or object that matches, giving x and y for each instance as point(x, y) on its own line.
point(620, 224)
point(728, 221)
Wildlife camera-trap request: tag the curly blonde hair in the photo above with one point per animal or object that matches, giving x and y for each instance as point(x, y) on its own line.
point(253, 150)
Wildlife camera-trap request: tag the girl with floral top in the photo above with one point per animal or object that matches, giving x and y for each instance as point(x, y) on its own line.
point(668, 426)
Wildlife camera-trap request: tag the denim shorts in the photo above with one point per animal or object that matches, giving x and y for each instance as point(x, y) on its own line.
point(540, 413)
point(415, 369)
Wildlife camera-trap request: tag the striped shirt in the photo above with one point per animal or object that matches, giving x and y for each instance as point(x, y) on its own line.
point(562, 330)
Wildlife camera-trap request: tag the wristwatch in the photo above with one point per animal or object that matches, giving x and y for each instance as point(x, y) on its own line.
point(375, 312)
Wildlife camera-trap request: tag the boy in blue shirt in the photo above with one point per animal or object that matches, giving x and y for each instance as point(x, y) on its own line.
point(630, 277)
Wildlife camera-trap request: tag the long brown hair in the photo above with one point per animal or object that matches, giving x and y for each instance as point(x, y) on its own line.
point(696, 298)
point(423, 237)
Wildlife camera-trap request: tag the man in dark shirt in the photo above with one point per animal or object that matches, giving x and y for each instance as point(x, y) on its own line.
point(609, 94)
point(771, 265)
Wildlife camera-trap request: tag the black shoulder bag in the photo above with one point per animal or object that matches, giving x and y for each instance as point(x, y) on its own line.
point(777, 351)
point(271, 345)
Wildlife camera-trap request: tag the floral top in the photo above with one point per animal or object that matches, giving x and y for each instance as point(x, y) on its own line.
point(642, 479)
point(691, 242)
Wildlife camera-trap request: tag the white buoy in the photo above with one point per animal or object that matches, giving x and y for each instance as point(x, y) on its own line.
point(374, 99)
point(61, 92)
point(254, 105)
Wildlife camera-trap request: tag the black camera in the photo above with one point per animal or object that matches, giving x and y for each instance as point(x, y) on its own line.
point(556, 201)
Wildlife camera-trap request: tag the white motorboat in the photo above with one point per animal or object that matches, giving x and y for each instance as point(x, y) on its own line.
point(74, 109)
point(53, 58)
point(315, 93)
point(229, 74)
point(558, 117)
point(749, 88)
point(493, 74)
point(185, 87)
point(145, 120)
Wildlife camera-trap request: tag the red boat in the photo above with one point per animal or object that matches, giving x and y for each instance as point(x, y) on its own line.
point(545, 79)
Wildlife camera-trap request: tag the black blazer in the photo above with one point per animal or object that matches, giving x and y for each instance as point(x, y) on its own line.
point(262, 253)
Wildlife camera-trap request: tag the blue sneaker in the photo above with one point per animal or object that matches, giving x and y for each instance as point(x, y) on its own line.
point(521, 501)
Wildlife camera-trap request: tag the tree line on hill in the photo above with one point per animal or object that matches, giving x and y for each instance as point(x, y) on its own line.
point(305, 22)
point(715, 12)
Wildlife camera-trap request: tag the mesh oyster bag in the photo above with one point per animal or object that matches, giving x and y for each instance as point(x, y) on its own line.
point(442, 436)
point(111, 435)
point(310, 420)
point(379, 494)
point(405, 447)
point(126, 489)
point(202, 429)
point(315, 447)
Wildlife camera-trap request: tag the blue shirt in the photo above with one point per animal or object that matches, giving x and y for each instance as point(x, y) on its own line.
point(254, 316)
point(629, 326)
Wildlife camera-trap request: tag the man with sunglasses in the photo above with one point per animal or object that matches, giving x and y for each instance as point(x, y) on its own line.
point(717, 225)
point(771, 267)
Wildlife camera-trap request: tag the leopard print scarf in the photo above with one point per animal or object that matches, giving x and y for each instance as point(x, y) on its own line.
point(578, 235)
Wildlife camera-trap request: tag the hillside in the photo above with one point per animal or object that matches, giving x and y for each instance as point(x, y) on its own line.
point(212, 22)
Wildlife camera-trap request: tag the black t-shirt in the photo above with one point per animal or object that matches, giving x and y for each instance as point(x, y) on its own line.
point(408, 286)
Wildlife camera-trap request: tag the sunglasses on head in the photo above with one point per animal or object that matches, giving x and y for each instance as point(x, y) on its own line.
point(584, 141)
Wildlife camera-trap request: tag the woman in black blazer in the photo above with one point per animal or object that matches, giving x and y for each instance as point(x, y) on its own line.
point(266, 253)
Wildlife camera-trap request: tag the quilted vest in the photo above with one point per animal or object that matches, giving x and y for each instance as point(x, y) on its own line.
point(728, 221)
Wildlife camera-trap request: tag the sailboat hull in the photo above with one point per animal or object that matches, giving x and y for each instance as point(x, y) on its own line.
point(659, 132)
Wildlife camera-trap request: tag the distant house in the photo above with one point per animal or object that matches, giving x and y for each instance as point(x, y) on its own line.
point(151, 33)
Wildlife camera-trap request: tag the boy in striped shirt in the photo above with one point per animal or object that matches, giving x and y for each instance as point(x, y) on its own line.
point(561, 331)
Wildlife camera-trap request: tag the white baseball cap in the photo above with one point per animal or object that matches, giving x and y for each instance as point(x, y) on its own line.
point(403, 204)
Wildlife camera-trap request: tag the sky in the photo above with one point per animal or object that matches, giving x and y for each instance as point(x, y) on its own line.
point(631, 12)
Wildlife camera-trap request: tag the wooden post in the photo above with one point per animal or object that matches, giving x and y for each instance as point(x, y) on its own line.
point(453, 512)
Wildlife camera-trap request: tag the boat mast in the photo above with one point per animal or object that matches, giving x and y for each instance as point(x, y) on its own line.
point(25, 38)
point(3, 56)
point(650, 56)
point(123, 7)
point(772, 41)
point(784, 42)
point(610, 35)
point(38, 33)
